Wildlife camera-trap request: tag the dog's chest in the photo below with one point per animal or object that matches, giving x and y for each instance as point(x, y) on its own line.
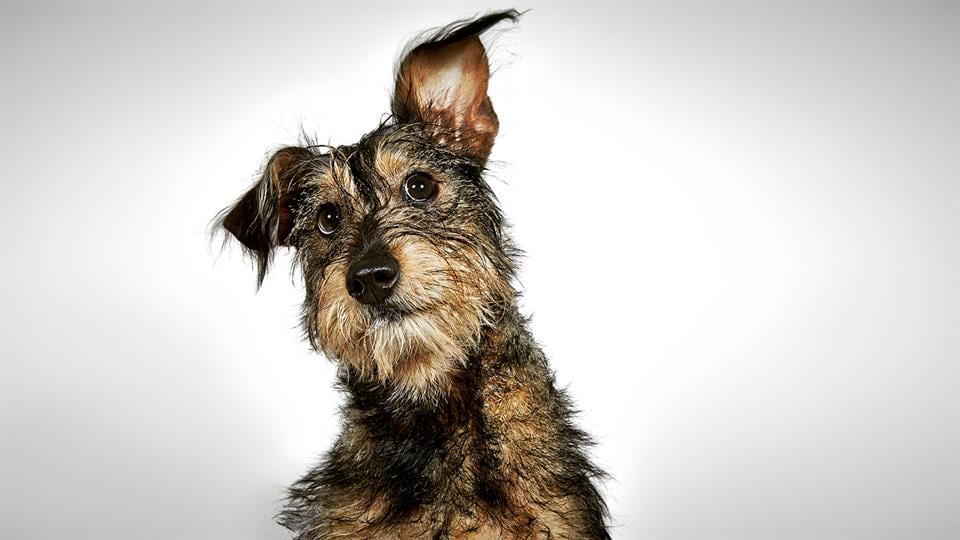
point(488, 481)
point(495, 470)
point(485, 466)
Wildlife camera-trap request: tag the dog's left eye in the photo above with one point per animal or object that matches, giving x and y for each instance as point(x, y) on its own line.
point(420, 187)
point(328, 218)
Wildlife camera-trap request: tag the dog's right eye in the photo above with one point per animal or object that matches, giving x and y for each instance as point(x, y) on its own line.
point(328, 219)
point(420, 187)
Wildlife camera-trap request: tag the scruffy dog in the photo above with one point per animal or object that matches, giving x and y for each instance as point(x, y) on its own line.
point(453, 426)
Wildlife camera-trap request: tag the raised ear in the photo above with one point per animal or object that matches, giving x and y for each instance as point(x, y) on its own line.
point(262, 219)
point(443, 82)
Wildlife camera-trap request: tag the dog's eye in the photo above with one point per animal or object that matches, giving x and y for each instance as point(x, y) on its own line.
point(420, 187)
point(328, 218)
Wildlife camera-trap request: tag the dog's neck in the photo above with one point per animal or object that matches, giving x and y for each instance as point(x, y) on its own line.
point(502, 346)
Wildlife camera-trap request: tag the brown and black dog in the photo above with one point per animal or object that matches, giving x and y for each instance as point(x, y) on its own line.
point(453, 426)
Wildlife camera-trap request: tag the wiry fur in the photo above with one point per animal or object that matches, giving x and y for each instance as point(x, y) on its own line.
point(453, 426)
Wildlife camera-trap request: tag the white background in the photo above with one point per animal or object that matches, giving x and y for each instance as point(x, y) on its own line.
point(742, 234)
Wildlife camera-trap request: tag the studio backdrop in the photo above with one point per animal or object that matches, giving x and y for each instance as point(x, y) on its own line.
point(741, 235)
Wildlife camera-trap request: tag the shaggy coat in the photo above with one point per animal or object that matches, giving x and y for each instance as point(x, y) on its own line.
point(453, 426)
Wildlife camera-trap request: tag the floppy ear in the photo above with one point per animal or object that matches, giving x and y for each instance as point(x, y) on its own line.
point(262, 219)
point(443, 82)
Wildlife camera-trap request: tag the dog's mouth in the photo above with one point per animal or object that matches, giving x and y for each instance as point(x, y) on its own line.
point(387, 313)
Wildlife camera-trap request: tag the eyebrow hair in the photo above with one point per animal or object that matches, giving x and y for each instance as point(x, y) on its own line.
point(362, 173)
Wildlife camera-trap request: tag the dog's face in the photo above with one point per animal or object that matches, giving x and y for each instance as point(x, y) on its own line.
point(399, 238)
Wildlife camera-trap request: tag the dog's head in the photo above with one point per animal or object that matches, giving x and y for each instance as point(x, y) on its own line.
point(399, 238)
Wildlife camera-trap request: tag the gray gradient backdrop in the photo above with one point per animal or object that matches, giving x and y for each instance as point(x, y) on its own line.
point(742, 232)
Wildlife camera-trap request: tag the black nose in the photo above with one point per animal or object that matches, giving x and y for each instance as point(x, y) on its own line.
point(371, 278)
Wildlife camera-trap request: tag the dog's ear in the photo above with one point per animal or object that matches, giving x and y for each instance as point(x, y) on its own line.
point(443, 82)
point(262, 219)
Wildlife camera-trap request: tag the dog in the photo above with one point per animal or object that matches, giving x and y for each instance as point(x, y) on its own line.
point(453, 426)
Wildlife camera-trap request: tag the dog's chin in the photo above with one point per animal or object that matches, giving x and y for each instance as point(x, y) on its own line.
point(412, 351)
